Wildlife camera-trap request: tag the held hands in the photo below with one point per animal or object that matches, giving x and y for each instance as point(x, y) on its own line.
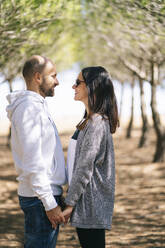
point(56, 216)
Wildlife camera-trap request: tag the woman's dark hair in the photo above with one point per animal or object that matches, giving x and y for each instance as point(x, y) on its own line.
point(101, 96)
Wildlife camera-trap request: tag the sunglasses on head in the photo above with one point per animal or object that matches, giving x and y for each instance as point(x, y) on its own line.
point(78, 82)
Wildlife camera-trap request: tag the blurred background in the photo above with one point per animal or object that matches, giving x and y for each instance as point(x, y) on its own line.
point(127, 37)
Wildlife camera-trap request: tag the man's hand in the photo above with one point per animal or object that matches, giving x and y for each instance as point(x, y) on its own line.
point(67, 213)
point(55, 216)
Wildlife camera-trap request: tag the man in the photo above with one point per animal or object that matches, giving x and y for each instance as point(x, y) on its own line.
point(37, 153)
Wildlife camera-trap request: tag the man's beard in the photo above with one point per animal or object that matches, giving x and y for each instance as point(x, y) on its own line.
point(44, 90)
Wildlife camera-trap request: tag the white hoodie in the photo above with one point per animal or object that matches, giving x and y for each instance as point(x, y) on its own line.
point(36, 148)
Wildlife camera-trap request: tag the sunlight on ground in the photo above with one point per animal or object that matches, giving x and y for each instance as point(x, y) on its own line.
point(139, 219)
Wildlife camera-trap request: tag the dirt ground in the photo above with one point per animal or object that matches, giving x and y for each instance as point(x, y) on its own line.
point(139, 217)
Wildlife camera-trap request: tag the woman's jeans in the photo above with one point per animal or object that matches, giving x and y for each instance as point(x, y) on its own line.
point(38, 229)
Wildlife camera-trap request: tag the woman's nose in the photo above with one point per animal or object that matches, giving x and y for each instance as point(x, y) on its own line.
point(74, 86)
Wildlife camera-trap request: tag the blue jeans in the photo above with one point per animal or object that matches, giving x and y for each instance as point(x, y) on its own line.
point(38, 229)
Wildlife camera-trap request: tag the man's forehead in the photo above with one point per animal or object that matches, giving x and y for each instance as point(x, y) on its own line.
point(50, 67)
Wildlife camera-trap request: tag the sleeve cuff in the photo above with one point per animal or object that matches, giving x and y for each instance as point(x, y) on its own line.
point(49, 202)
point(70, 203)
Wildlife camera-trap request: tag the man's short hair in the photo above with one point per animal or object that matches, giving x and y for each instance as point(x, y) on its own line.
point(35, 64)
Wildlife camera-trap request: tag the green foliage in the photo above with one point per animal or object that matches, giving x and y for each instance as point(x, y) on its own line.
point(34, 27)
point(125, 32)
point(90, 31)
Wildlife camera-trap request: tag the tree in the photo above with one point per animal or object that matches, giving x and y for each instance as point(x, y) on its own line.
point(145, 123)
point(130, 31)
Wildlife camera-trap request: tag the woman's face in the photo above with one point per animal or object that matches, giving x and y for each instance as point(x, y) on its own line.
point(81, 92)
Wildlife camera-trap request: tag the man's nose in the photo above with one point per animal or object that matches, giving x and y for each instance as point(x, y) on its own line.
point(73, 86)
point(56, 82)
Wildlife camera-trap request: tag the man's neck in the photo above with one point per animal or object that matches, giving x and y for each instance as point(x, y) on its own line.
point(31, 88)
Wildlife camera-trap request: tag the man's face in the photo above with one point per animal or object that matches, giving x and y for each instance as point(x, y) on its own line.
point(49, 80)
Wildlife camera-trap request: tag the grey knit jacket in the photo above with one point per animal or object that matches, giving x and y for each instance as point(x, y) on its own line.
point(92, 187)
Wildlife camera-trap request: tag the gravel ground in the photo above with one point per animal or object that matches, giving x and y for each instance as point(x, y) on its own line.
point(139, 217)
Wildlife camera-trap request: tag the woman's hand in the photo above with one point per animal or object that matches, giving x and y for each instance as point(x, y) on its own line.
point(67, 213)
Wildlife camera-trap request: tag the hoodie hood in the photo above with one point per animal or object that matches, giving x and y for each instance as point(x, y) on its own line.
point(17, 97)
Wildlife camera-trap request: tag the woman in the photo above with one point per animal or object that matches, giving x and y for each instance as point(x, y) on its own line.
point(90, 198)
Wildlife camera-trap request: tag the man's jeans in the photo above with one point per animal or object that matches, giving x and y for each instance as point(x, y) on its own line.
point(38, 229)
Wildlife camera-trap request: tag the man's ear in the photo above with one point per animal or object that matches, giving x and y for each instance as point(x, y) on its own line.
point(38, 77)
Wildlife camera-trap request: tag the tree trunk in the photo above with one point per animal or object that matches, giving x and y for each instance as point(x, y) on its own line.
point(145, 124)
point(9, 133)
point(159, 155)
point(129, 128)
point(121, 99)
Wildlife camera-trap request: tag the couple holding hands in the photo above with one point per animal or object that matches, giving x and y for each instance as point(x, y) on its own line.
point(39, 159)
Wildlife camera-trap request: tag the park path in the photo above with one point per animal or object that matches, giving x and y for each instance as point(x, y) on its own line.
point(139, 217)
